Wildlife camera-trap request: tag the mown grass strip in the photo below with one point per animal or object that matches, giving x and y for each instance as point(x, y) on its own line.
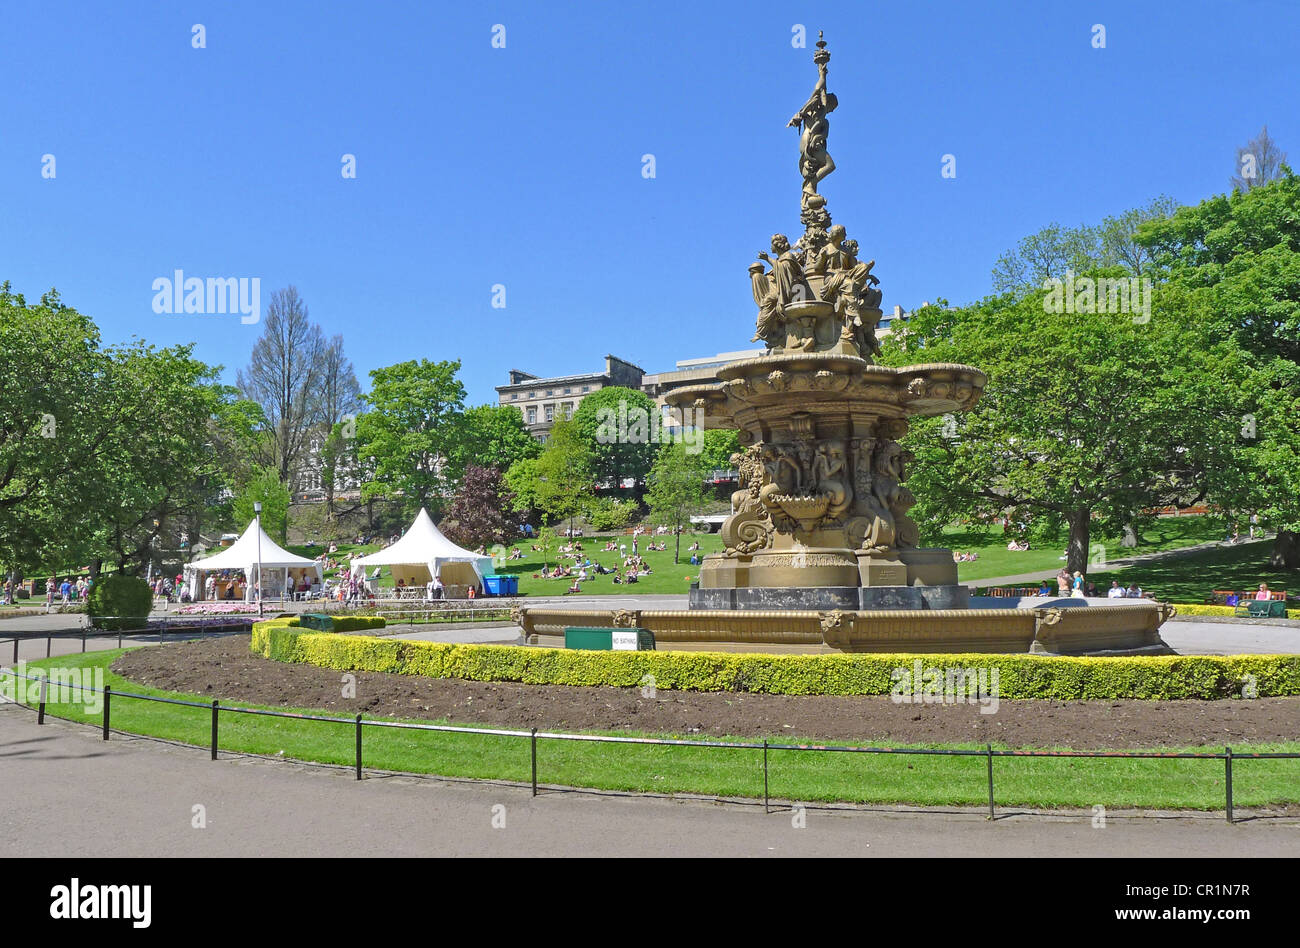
point(1115, 783)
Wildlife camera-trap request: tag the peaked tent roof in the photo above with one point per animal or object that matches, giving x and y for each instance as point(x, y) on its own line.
point(423, 543)
point(243, 553)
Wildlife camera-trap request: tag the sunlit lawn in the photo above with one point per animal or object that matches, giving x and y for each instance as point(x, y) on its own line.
point(665, 577)
point(1166, 533)
point(1192, 578)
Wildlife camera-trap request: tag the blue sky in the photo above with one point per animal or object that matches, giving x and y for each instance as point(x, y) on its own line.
point(522, 166)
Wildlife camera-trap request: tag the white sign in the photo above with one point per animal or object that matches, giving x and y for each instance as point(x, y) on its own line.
point(624, 641)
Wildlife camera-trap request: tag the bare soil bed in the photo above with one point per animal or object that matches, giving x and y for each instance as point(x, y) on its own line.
point(223, 667)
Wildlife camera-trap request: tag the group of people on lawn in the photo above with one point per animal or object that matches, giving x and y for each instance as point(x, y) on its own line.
point(583, 568)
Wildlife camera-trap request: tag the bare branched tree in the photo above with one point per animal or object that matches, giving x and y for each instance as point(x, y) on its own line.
point(1258, 162)
point(284, 376)
point(340, 395)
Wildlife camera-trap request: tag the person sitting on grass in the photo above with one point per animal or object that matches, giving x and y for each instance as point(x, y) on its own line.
point(631, 577)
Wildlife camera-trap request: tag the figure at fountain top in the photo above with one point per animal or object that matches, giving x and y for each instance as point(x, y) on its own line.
point(815, 163)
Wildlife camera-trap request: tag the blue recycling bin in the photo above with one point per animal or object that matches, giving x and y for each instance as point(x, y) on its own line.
point(492, 585)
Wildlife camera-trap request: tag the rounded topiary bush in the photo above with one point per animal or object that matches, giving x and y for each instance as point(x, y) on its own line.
point(118, 602)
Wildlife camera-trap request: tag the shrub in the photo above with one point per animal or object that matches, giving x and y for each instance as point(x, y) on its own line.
point(1020, 676)
point(356, 623)
point(124, 600)
point(607, 513)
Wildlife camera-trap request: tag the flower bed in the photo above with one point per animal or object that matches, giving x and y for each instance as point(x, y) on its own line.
point(218, 609)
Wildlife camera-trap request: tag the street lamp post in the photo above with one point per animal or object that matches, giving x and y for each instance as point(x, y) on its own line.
point(257, 509)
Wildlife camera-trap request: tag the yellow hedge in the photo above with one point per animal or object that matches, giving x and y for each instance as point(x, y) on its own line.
point(1199, 609)
point(1019, 676)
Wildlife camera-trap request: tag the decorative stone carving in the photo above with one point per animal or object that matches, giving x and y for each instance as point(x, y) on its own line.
point(625, 618)
point(835, 628)
point(749, 528)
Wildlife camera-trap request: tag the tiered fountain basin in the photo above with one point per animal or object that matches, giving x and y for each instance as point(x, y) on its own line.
point(1095, 630)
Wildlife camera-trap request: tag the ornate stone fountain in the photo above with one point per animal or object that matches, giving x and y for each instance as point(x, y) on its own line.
point(819, 552)
point(820, 521)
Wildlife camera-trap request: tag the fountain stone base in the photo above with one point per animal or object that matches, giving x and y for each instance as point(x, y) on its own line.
point(824, 598)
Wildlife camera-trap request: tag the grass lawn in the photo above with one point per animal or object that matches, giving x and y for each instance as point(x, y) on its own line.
point(665, 576)
point(883, 778)
point(1166, 533)
point(1193, 577)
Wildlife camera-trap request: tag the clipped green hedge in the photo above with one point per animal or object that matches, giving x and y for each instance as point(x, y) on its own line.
point(128, 599)
point(357, 623)
point(1202, 609)
point(1019, 676)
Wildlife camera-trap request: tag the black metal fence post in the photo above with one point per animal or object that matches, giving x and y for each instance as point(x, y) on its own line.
point(40, 708)
point(48, 638)
point(108, 699)
point(988, 749)
point(83, 641)
point(215, 713)
point(15, 651)
point(358, 746)
point(765, 804)
point(533, 742)
point(1227, 773)
point(119, 637)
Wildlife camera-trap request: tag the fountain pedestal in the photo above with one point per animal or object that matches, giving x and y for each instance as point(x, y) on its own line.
point(821, 521)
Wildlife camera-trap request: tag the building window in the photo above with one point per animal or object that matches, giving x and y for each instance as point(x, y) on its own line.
point(550, 413)
point(550, 391)
point(532, 414)
point(586, 388)
point(568, 391)
point(514, 395)
point(568, 410)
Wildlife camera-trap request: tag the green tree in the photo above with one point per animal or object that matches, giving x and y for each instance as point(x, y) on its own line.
point(619, 427)
point(564, 474)
point(53, 431)
point(719, 445)
point(676, 489)
point(1237, 257)
point(265, 488)
point(169, 457)
point(411, 432)
point(546, 541)
point(1086, 419)
point(105, 452)
point(1054, 250)
point(494, 436)
point(522, 482)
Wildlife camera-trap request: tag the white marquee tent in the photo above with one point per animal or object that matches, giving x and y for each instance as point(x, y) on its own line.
point(420, 554)
point(279, 566)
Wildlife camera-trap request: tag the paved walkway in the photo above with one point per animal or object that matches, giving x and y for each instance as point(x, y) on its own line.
point(67, 793)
